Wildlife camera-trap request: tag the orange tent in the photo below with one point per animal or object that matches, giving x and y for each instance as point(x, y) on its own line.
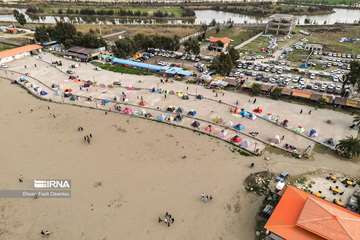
point(300, 215)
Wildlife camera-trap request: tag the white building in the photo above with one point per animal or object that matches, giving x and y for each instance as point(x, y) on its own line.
point(19, 52)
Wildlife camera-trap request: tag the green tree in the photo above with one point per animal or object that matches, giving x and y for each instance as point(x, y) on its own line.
point(20, 17)
point(41, 34)
point(222, 64)
point(192, 46)
point(217, 29)
point(353, 77)
point(356, 121)
point(234, 54)
point(276, 93)
point(123, 47)
point(349, 147)
point(256, 89)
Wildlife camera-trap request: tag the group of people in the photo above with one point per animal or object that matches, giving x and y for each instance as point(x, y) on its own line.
point(45, 233)
point(168, 219)
point(301, 111)
point(206, 197)
point(87, 138)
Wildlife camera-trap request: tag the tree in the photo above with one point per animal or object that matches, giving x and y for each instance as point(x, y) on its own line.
point(41, 34)
point(217, 29)
point(212, 23)
point(349, 147)
point(66, 34)
point(234, 54)
point(356, 122)
point(20, 17)
point(222, 64)
point(123, 47)
point(276, 93)
point(192, 46)
point(256, 89)
point(353, 77)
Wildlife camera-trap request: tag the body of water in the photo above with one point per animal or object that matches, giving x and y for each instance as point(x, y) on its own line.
point(339, 16)
point(204, 17)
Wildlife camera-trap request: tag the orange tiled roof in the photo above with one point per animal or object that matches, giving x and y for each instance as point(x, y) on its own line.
point(224, 40)
point(14, 51)
point(300, 215)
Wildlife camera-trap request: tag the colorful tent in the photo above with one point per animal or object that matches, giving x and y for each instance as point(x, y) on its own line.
point(236, 139)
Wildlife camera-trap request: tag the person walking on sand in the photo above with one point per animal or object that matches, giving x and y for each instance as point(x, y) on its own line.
point(301, 111)
point(254, 101)
point(309, 112)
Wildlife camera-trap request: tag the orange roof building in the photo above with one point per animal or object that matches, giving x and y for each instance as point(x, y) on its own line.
point(15, 53)
point(224, 40)
point(302, 216)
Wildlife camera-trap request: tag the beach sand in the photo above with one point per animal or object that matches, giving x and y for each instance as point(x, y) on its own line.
point(132, 172)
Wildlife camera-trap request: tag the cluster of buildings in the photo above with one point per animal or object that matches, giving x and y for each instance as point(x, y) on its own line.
point(280, 24)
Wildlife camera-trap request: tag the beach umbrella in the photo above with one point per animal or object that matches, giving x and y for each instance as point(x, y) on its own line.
point(239, 127)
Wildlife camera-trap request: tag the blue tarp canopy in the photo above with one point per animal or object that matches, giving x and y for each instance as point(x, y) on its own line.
point(152, 67)
point(156, 68)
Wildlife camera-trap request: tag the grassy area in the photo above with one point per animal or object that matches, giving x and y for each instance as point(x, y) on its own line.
point(330, 39)
point(255, 46)
point(122, 69)
point(131, 30)
point(238, 34)
point(5, 46)
point(298, 56)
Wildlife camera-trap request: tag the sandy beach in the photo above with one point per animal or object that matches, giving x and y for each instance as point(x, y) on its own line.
point(131, 173)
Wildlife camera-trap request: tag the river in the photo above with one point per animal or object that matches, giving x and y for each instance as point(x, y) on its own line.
point(339, 15)
point(206, 16)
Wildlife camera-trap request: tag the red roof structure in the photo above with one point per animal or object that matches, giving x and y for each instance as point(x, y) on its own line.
point(224, 40)
point(302, 216)
point(19, 50)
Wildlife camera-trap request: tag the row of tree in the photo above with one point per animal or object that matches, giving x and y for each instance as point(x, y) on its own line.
point(66, 34)
point(127, 46)
point(186, 12)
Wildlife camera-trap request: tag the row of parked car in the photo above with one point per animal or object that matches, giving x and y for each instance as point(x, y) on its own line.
point(171, 54)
